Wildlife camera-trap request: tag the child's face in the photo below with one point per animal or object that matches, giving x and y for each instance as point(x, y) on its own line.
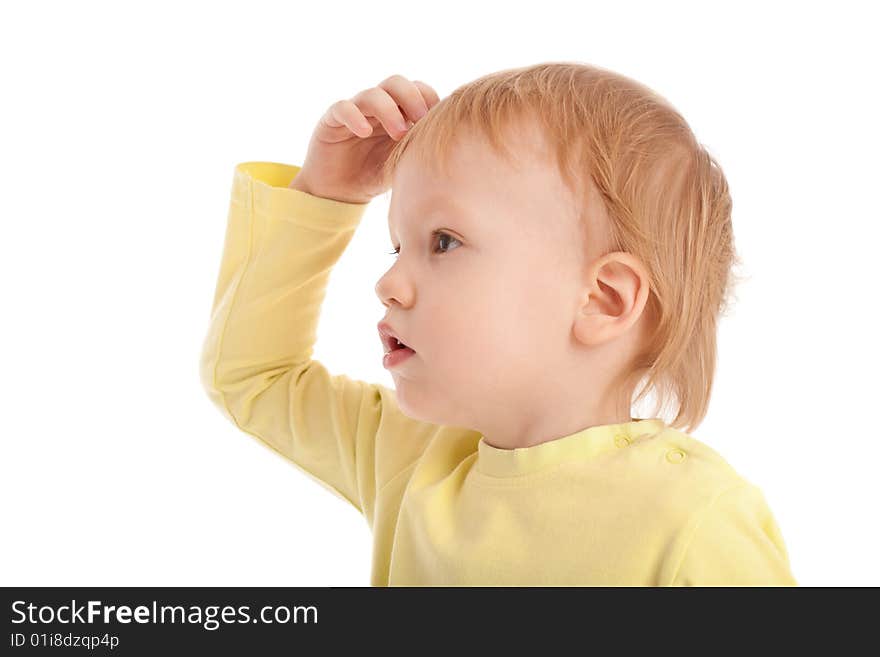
point(488, 306)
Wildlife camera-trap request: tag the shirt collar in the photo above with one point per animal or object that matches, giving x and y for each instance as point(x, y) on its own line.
point(583, 444)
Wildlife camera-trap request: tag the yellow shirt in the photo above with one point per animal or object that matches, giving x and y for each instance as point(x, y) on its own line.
point(633, 504)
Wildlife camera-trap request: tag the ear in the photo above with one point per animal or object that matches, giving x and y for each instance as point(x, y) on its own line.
point(615, 298)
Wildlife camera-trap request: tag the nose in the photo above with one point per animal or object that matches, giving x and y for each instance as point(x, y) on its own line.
point(391, 287)
point(381, 291)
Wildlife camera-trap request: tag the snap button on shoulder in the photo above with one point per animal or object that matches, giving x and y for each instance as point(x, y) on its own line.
point(621, 440)
point(675, 456)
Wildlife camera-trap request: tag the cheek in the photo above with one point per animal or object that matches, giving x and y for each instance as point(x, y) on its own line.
point(505, 320)
point(527, 310)
point(493, 324)
point(465, 331)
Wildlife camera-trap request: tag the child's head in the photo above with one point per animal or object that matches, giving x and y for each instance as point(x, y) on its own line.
point(583, 248)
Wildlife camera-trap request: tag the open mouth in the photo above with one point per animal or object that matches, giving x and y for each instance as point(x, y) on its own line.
point(390, 342)
point(397, 344)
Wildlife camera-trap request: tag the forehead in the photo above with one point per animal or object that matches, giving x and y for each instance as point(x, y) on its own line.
point(422, 205)
point(478, 182)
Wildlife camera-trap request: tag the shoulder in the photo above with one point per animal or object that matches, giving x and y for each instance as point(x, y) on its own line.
point(682, 464)
point(726, 533)
point(678, 476)
point(733, 540)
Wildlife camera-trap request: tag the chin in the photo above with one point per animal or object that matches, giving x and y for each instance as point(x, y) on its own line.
point(413, 410)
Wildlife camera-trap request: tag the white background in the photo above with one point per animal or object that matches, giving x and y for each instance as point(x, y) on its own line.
point(121, 127)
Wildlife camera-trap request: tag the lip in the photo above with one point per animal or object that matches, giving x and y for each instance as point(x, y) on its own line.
point(394, 358)
point(386, 333)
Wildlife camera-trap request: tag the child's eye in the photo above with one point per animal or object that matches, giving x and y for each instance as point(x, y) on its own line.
point(436, 233)
point(441, 235)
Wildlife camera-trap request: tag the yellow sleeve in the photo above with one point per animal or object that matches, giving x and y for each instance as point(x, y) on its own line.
point(256, 365)
point(735, 541)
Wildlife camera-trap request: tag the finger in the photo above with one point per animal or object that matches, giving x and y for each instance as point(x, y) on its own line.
point(428, 93)
point(346, 113)
point(377, 102)
point(407, 95)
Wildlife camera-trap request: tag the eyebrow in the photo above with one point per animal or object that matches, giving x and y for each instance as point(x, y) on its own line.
point(443, 200)
point(439, 201)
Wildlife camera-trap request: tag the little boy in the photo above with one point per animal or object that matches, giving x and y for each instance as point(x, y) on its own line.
point(561, 237)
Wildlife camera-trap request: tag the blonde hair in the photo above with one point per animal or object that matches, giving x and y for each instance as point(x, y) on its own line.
point(667, 201)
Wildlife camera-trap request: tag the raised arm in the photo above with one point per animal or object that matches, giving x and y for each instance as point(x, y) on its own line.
point(256, 363)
